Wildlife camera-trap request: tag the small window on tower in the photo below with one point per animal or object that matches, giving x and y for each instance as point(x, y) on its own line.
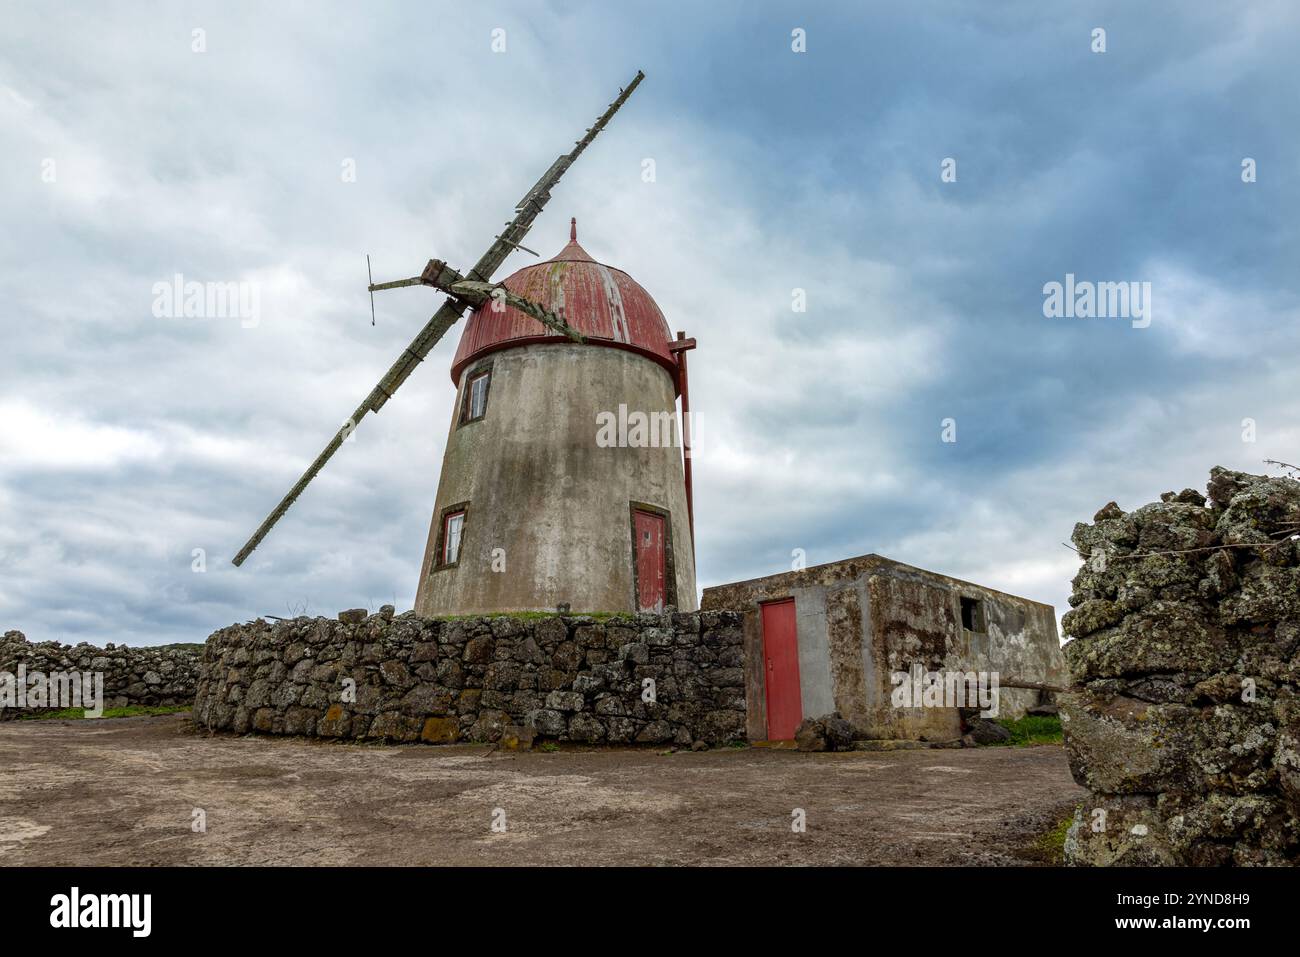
point(452, 527)
point(476, 397)
point(972, 614)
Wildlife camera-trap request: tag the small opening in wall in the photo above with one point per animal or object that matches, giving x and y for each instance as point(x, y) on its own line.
point(972, 614)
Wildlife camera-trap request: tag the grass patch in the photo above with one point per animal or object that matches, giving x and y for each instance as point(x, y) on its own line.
point(1052, 844)
point(550, 747)
point(131, 711)
point(1032, 729)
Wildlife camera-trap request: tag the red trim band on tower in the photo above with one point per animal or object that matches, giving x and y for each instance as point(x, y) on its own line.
point(679, 349)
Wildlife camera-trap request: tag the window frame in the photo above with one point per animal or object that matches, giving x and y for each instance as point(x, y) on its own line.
point(444, 518)
point(481, 371)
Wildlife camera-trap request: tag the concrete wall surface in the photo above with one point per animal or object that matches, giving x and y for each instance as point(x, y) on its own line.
point(549, 519)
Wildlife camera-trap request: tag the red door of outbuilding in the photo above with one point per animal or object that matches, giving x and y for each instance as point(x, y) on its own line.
point(781, 658)
point(648, 529)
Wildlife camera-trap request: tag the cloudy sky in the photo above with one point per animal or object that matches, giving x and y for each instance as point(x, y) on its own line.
point(129, 440)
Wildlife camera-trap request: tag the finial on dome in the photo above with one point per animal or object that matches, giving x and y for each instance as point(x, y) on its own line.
point(573, 229)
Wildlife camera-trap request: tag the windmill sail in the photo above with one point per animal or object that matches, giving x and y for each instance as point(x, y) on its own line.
point(526, 212)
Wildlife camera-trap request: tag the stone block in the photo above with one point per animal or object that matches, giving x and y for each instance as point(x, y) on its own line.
point(443, 730)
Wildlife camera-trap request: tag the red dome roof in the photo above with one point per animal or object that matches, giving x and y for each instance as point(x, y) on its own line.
point(605, 304)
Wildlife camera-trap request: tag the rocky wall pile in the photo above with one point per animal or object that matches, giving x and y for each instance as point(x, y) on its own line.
point(648, 679)
point(153, 676)
point(1183, 719)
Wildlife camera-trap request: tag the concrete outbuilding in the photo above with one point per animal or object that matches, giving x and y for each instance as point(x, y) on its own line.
point(830, 638)
point(563, 480)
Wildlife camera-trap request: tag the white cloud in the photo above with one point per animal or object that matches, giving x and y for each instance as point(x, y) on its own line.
point(33, 439)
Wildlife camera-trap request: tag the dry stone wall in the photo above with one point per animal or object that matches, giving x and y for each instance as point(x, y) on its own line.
point(1183, 720)
point(160, 675)
point(649, 679)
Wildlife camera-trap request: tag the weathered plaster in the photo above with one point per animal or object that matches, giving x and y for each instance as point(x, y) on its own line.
point(864, 618)
point(541, 489)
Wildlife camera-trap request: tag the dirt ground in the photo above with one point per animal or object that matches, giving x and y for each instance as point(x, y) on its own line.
point(125, 791)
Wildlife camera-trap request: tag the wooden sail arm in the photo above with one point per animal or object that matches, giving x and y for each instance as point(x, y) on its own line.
point(506, 242)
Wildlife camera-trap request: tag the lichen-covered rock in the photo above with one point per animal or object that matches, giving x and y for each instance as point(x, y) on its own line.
point(1165, 747)
point(1092, 614)
point(1119, 831)
point(1184, 719)
point(1266, 593)
point(1258, 510)
point(1161, 636)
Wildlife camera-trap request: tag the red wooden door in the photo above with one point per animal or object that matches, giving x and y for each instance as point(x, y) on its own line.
point(781, 657)
point(648, 528)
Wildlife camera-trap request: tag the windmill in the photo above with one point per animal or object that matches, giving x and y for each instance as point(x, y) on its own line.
point(464, 291)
